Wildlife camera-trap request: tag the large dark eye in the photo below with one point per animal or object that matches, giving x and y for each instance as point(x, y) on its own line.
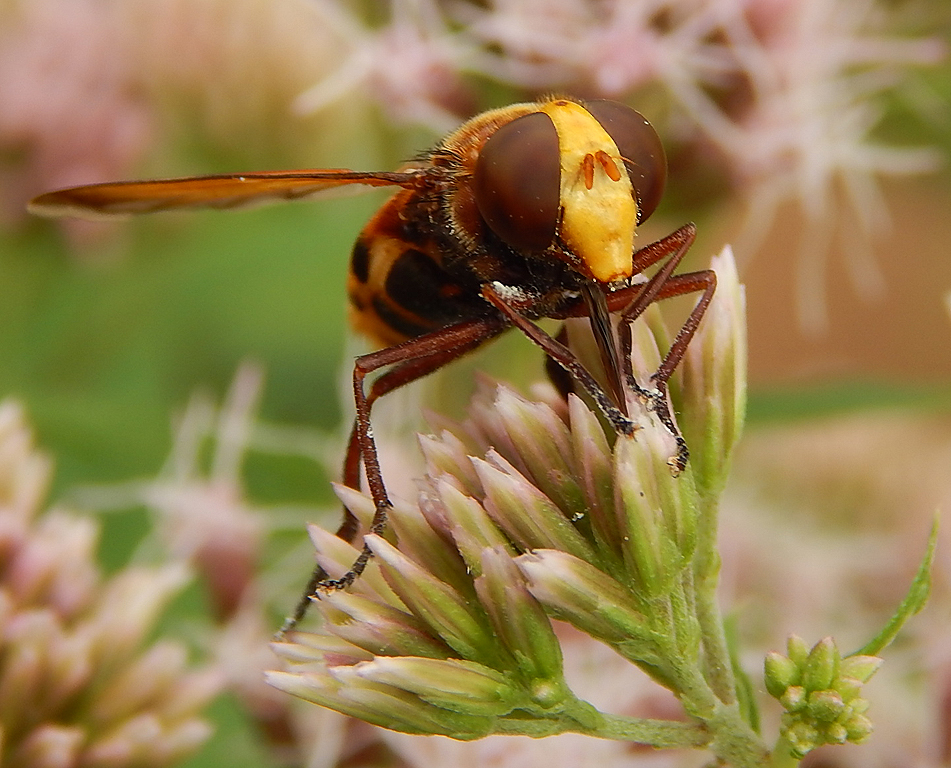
point(641, 149)
point(516, 182)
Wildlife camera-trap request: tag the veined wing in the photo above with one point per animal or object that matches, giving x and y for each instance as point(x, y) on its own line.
point(232, 190)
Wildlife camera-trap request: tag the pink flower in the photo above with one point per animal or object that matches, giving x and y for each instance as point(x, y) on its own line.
point(411, 66)
point(787, 93)
point(77, 685)
point(72, 108)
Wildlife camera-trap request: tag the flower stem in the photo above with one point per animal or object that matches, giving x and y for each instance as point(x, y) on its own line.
point(717, 667)
point(781, 756)
point(655, 733)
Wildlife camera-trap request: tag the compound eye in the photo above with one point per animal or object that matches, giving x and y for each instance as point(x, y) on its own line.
point(516, 182)
point(640, 148)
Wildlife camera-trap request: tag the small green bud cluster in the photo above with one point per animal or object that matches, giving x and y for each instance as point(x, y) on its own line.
point(820, 692)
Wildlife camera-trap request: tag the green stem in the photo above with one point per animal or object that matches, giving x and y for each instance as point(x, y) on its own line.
point(661, 734)
point(717, 667)
point(733, 740)
point(655, 733)
point(683, 616)
point(781, 756)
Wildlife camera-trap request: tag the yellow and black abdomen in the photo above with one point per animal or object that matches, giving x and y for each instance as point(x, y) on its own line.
point(397, 286)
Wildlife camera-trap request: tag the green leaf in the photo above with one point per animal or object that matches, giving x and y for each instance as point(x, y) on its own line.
point(745, 692)
point(914, 601)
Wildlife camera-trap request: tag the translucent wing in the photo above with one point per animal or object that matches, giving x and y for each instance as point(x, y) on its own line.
point(235, 190)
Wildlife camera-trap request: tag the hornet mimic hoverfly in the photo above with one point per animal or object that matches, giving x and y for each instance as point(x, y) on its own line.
point(524, 212)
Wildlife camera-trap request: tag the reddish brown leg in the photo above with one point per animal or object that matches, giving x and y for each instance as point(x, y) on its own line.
point(690, 282)
point(404, 373)
point(673, 247)
point(665, 285)
point(631, 303)
point(413, 360)
point(565, 358)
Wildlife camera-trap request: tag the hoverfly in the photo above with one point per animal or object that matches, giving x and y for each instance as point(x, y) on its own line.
point(524, 212)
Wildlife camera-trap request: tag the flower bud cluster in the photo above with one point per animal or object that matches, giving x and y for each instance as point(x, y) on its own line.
point(76, 685)
point(820, 692)
point(434, 638)
point(527, 511)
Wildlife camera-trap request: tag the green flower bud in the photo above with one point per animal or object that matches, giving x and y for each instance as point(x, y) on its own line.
point(802, 738)
point(336, 556)
point(860, 667)
point(859, 706)
point(658, 512)
point(592, 456)
point(448, 456)
point(522, 625)
point(848, 688)
point(825, 706)
point(543, 444)
point(822, 666)
point(422, 542)
point(454, 684)
point(588, 598)
point(859, 728)
point(835, 733)
point(797, 650)
point(472, 528)
point(714, 379)
point(526, 514)
point(378, 628)
point(343, 690)
point(359, 504)
point(780, 673)
point(309, 648)
point(453, 618)
point(794, 698)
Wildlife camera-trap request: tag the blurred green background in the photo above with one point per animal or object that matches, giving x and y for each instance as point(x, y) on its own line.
point(104, 353)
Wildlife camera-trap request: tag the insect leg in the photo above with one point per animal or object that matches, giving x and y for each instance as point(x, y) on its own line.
point(617, 362)
point(664, 286)
point(432, 355)
point(673, 247)
point(660, 249)
point(690, 282)
point(565, 358)
point(413, 360)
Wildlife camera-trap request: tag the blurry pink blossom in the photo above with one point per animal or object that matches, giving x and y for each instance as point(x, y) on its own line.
point(228, 71)
point(72, 109)
point(818, 72)
point(201, 515)
point(78, 685)
point(787, 91)
point(411, 66)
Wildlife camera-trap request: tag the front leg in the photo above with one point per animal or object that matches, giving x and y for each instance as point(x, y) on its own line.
point(411, 360)
point(565, 358)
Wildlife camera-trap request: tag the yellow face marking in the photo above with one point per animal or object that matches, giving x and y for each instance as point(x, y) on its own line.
point(599, 212)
